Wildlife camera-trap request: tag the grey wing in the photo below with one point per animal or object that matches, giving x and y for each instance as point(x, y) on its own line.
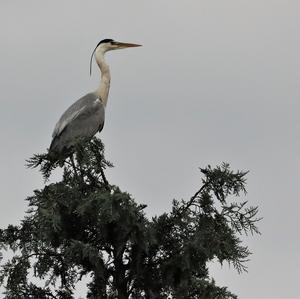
point(81, 120)
point(79, 107)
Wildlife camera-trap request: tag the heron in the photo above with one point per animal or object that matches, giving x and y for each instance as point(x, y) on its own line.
point(84, 118)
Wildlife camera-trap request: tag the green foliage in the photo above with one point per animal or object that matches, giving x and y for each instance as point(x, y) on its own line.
point(83, 226)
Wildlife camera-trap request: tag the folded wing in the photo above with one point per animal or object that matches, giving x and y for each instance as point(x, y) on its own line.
point(82, 120)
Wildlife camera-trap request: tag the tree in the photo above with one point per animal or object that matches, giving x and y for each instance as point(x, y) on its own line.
point(84, 226)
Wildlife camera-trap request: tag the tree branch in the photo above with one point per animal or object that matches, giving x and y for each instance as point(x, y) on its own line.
point(192, 199)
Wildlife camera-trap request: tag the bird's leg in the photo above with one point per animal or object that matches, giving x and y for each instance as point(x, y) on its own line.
point(104, 179)
point(79, 177)
point(73, 165)
point(80, 150)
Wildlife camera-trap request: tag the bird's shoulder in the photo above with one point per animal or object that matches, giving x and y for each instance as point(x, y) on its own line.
point(89, 99)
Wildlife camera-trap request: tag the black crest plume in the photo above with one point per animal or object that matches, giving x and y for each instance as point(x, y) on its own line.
point(106, 40)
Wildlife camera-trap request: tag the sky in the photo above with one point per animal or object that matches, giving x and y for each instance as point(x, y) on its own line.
point(214, 81)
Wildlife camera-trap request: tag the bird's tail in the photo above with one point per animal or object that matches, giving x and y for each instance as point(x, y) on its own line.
point(57, 152)
point(54, 149)
point(60, 150)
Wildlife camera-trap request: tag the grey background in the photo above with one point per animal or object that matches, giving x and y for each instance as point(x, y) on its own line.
point(214, 81)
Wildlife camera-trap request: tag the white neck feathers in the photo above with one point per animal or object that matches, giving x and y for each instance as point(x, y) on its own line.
point(103, 89)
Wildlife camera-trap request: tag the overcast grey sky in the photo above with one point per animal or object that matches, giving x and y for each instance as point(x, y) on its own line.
point(214, 81)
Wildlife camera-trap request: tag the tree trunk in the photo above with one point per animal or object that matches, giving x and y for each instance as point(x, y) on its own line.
point(119, 276)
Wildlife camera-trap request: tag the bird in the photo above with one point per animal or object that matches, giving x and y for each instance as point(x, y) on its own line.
point(85, 117)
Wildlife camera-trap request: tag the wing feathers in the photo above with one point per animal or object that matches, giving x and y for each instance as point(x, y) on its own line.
point(81, 120)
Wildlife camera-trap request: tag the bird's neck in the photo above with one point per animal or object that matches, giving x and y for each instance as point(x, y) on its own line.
point(103, 89)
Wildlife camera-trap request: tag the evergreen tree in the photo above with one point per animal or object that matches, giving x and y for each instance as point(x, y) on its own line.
point(84, 226)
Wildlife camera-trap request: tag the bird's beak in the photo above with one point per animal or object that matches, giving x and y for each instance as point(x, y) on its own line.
point(125, 45)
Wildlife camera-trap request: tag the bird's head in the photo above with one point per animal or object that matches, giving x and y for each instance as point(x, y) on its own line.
point(108, 45)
